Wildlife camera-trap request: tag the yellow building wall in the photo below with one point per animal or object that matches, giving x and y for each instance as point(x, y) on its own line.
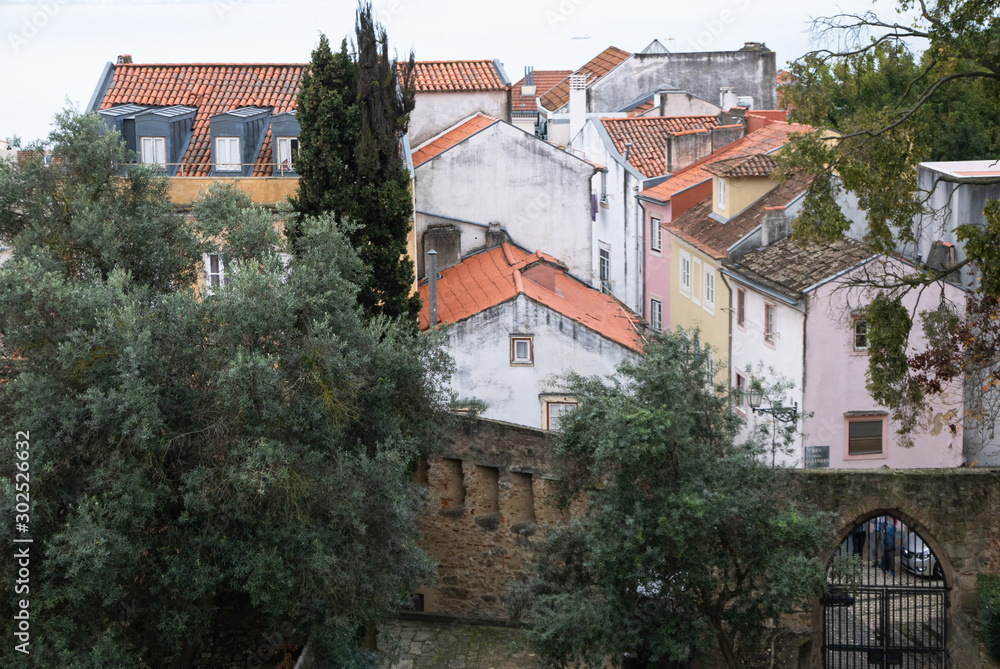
point(688, 311)
point(740, 193)
point(265, 191)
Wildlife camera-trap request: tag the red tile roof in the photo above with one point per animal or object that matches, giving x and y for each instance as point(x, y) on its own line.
point(757, 165)
point(640, 108)
point(544, 80)
point(764, 140)
point(432, 76)
point(213, 89)
point(648, 136)
point(500, 274)
point(450, 138)
point(603, 63)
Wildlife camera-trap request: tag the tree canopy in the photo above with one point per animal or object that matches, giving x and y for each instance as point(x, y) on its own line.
point(688, 540)
point(187, 450)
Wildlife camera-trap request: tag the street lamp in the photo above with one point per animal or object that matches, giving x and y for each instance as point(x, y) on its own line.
point(784, 414)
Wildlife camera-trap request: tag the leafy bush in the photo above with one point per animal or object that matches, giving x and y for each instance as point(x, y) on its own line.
point(988, 593)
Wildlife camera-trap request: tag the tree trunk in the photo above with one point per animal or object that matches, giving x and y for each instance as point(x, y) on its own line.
point(726, 646)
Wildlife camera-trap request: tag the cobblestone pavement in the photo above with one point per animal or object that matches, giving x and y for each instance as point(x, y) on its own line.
point(449, 645)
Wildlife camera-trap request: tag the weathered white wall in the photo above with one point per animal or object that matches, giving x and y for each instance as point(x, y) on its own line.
point(480, 346)
point(434, 113)
point(702, 74)
point(537, 192)
point(685, 104)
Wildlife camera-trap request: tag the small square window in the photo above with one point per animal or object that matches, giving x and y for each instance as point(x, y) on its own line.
point(865, 436)
point(521, 351)
point(770, 323)
point(153, 151)
point(860, 335)
point(655, 234)
point(555, 410)
point(741, 308)
point(227, 154)
point(655, 314)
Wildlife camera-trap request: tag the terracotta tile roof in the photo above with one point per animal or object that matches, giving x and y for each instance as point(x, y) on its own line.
point(212, 89)
point(757, 165)
point(648, 134)
point(697, 227)
point(544, 80)
point(450, 138)
point(789, 267)
point(500, 274)
point(765, 140)
point(603, 63)
point(640, 108)
point(457, 75)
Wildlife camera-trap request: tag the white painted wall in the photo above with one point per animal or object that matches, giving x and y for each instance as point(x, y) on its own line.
point(433, 113)
point(480, 346)
point(537, 192)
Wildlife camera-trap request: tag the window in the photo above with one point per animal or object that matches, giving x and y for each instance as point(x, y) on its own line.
point(227, 154)
point(741, 308)
point(655, 314)
point(770, 323)
point(866, 436)
point(214, 273)
point(860, 335)
point(605, 269)
point(655, 234)
point(521, 351)
point(721, 189)
point(685, 273)
point(695, 273)
point(710, 289)
point(288, 152)
point(741, 393)
point(555, 409)
point(153, 151)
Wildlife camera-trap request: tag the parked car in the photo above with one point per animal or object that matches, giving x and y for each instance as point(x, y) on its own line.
point(918, 559)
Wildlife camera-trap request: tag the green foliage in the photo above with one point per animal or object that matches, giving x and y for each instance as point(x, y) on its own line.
point(888, 376)
point(253, 445)
point(688, 540)
point(352, 111)
point(988, 595)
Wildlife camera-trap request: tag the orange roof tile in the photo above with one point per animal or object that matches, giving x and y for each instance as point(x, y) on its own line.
point(500, 274)
point(603, 63)
point(764, 140)
point(213, 88)
point(647, 134)
point(544, 80)
point(450, 138)
point(756, 165)
point(457, 75)
point(640, 108)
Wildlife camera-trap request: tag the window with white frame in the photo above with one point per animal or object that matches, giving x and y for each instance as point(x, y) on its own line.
point(721, 190)
point(555, 409)
point(741, 308)
point(604, 268)
point(685, 269)
point(770, 323)
point(741, 393)
point(655, 314)
point(860, 335)
point(153, 151)
point(709, 289)
point(521, 351)
point(227, 154)
point(215, 276)
point(695, 274)
point(655, 234)
point(288, 153)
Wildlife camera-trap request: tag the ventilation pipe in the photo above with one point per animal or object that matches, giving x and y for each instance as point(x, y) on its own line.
point(432, 278)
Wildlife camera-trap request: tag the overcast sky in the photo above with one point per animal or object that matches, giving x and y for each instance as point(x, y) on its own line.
point(54, 50)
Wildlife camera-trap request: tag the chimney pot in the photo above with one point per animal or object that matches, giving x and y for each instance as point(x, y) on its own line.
point(125, 59)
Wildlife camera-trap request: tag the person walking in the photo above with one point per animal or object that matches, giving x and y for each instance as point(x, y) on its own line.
point(889, 547)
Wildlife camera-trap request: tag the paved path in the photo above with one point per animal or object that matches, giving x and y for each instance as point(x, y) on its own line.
point(440, 645)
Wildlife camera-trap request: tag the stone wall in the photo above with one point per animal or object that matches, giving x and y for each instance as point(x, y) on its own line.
point(492, 490)
point(955, 511)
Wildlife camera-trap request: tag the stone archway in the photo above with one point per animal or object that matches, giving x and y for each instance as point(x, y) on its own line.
point(886, 598)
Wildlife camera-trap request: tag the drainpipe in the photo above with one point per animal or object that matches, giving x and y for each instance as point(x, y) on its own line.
point(432, 278)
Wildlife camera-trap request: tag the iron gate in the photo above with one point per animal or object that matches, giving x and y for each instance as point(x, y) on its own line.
point(886, 601)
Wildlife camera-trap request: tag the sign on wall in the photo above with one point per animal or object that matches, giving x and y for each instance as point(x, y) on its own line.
point(817, 457)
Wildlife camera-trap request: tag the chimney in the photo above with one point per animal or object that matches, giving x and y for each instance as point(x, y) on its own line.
point(125, 59)
point(577, 104)
point(432, 293)
point(774, 227)
point(628, 146)
point(727, 97)
point(528, 87)
point(495, 235)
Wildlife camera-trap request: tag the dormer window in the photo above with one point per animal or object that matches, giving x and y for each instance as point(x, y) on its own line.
point(288, 153)
point(227, 154)
point(153, 151)
point(721, 191)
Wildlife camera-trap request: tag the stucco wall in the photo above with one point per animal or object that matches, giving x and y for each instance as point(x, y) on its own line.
point(688, 311)
point(835, 382)
point(740, 193)
point(702, 74)
point(658, 263)
point(433, 113)
point(538, 193)
point(480, 346)
point(265, 191)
